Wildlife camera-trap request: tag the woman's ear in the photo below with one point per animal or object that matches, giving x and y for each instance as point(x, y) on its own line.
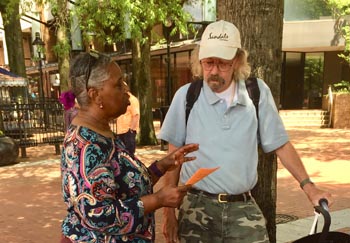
point(94, 96)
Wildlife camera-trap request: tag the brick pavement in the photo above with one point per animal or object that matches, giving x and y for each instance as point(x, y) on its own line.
point(326, 156)
point(32, 207)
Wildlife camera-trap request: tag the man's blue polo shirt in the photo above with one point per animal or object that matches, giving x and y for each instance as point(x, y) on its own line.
point(227, 137)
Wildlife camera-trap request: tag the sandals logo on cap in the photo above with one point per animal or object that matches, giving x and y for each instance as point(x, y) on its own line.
point(223, 37)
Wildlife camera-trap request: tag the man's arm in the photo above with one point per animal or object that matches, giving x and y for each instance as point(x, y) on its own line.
point(135, 114)
point(170, 224)
point(292, 162)
point(134, 124)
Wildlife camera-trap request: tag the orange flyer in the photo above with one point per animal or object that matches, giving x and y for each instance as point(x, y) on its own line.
point(200, 174)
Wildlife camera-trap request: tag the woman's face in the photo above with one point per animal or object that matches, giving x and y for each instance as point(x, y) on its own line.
point(115, 98)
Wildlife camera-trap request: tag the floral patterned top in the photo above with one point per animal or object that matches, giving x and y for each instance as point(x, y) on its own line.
point(102, 185)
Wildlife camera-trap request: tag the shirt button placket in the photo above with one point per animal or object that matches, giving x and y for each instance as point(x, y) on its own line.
point(225, 122)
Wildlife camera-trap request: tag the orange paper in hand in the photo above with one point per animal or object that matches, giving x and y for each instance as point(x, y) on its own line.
point(200, 174)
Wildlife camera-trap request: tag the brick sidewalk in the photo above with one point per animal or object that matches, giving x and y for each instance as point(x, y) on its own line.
point(326, 156)
point(32, 207)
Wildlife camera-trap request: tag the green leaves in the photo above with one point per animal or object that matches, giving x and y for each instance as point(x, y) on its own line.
point(114, 20)
point(341, 11)
point(342, 87)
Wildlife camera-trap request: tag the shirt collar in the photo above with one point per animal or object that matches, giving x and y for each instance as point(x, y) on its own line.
point(241, 91)
point(211, 97)
point(243, 97)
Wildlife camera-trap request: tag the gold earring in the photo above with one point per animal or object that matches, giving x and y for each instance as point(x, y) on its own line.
point(101, 106)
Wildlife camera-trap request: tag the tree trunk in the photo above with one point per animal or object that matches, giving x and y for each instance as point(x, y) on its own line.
point(63, 58)
point(261, 23)
point(142, 88)
point(14, 42)
point(265, 191)
point(63, 44)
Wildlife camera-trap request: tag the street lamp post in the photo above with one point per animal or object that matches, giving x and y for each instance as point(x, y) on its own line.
point(167, 28)
point(38, 42)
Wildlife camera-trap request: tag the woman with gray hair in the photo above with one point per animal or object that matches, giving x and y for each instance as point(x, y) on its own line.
point(108, 191)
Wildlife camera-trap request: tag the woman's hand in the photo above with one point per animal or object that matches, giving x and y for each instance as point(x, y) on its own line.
point(177, 157)
point(170, 196)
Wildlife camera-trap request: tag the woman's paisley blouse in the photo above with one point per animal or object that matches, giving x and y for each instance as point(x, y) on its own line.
point(102, 185)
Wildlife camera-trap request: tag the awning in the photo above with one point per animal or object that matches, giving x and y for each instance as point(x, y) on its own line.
point(8, 79)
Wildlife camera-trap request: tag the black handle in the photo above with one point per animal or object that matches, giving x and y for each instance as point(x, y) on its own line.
point(324, 210)
point(323, 203)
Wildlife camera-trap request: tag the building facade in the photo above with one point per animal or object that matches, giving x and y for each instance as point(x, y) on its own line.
point(310, 59)
point(310, 62)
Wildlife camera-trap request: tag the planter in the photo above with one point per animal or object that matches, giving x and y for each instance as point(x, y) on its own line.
point(341, 110)
point(8, 151)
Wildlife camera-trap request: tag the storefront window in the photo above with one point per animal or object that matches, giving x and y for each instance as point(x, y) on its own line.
point(158, 77)
point(182, 74)
point(302, 82)
point(313, 80)
point(292, 81)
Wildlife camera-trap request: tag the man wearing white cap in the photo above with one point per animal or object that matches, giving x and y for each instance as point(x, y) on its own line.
point(223, 120)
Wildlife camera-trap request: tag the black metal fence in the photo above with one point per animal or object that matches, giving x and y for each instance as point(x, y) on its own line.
point(32, 124)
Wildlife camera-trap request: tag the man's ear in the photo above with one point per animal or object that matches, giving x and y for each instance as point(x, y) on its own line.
point(236, 63)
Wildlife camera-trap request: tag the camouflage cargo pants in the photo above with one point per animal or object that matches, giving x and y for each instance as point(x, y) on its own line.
point(205, 220)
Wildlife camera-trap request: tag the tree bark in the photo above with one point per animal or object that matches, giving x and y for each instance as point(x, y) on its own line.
point(142, 88)
point(261, 23)
point(14, 41)
point(63, 59)
point(63, 47)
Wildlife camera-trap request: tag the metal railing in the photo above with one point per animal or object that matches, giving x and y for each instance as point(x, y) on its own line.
point(32, 124)
point(330, 105)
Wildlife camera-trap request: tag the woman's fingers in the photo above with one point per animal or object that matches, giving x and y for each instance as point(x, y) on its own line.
point(190, 147)
point(183, 160)
point(179, 156)
point(184, 188)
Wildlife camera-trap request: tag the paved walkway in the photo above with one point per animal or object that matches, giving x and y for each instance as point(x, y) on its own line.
point(294, 230)
point(326, 156)
point(32, 207)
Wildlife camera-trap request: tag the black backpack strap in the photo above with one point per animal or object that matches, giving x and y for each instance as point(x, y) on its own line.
point(196, 86)
point(192, 95)
point(254, 93)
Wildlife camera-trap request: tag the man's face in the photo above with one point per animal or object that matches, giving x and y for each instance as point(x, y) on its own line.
point(217, 73)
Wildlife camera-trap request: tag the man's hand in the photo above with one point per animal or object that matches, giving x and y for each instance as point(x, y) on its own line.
point(315, 194)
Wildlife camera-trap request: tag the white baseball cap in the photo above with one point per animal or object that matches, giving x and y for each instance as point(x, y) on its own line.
point(220, 39)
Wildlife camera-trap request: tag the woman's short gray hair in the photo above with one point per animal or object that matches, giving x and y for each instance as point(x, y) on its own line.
point(242, 72)
point(88, 70)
